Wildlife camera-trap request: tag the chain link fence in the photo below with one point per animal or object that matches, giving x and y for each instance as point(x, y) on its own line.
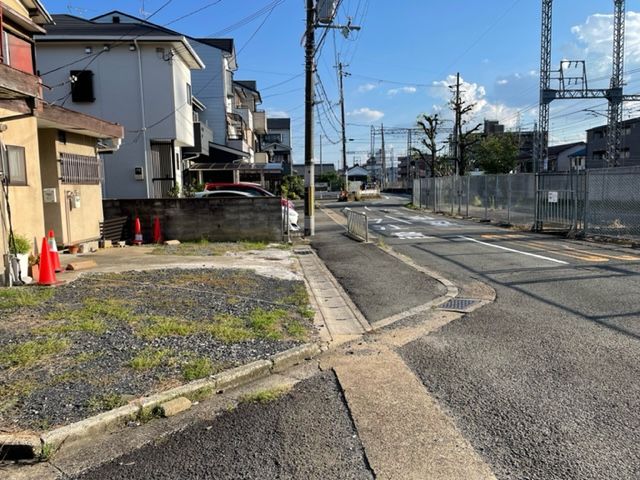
point(601, 202)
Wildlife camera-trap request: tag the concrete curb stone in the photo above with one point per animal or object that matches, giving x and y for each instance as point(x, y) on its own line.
point(112, 420)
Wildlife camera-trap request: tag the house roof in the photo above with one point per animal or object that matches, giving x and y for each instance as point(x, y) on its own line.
point(225, 44)
point(318, 169)
point(357, 171)
point(279, 123)
point(629, 121)
point(556, 150)
point(580, 153)
point(250, 85)
point(69, 28)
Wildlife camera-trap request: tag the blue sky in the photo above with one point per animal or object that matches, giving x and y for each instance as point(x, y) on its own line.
point(404, 57)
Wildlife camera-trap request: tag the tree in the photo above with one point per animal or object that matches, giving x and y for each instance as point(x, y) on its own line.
point(292, 187)
point(497, 153)
point(332, 179)
point(465, 140)
point(430, 124)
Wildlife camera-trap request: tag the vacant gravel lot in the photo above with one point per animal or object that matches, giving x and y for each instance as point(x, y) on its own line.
point(94, 344)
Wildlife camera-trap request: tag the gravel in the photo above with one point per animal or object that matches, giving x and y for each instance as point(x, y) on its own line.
point(306, 434)
point(93, 373)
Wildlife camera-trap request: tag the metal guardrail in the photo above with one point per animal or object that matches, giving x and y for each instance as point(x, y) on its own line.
point(357, 225)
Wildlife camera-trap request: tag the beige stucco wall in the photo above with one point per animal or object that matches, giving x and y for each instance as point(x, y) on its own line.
point(25, 201)
point(71, 225)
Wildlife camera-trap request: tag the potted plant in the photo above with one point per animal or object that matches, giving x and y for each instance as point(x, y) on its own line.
point(20, 246)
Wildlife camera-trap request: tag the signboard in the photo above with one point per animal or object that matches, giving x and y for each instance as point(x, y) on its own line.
point(553, 197)
point(50, 195)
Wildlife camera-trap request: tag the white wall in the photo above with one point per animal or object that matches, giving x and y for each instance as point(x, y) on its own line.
point(118, 99)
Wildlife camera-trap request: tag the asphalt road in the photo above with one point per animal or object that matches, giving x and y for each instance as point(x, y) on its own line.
point(307, 434)
point(544, 382)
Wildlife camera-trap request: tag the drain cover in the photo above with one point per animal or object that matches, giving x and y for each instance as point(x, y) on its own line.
point(304, 251)
point(458, 304)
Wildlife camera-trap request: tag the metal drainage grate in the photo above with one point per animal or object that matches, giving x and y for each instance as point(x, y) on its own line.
point(458, 304)
point(303, 251)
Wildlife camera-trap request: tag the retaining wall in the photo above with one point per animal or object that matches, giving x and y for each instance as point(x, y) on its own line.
point(215, 219)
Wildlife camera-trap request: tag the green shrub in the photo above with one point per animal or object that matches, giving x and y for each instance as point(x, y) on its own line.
point(19, 244)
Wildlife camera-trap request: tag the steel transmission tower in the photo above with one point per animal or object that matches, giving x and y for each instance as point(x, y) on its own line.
point(575, 86)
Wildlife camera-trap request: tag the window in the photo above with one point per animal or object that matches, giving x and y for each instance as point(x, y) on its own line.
point(272, 138)
point(82, 86)
point(189, 94)
point(80, 169)
point(16, 165)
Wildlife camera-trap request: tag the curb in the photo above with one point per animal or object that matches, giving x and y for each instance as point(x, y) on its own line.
point(26, 446)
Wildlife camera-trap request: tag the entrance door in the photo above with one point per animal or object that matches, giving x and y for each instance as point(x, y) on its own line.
point(560, 201)
point(162, 171)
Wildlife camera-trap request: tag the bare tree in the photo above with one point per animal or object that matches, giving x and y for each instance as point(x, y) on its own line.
point(470, 137)
point(430, 124)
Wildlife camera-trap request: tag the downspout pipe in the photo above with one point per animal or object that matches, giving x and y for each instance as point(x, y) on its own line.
point(143, 116)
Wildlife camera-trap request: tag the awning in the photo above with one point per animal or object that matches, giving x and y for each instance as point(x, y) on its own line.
point(225, 154)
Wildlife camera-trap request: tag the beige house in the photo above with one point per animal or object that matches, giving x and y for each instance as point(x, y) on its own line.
point(45, 150)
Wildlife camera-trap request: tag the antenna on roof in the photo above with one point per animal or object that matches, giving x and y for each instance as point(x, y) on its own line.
point(81, 12)
point(143, 13)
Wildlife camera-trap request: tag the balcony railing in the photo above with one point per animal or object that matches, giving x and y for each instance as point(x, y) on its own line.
point(15, 84)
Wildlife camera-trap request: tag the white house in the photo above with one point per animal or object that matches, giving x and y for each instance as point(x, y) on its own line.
point(125, 70)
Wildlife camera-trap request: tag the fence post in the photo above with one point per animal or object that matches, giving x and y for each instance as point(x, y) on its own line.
point(468, 194)
point(486, 198)
point(509, 199)
point(587, 176)
point(366, 228)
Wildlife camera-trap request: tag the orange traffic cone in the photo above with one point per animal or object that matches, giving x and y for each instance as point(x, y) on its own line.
point(137, 235)
point(53, 250)
point(47, 273)
point(157, 233)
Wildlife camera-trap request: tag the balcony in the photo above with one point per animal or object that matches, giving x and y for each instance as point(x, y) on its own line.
point(15, 85)
point(246, 115)
point(261, 157)
point(260, 122)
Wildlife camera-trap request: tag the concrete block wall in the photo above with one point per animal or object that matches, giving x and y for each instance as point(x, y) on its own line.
point(215, 219)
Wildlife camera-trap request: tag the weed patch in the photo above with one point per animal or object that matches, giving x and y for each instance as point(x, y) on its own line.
point(23, 297)
point(229, 329)
point(103, 403)
point(31, 352)
point(197, 368)
point(265, 396)
point(267, 323)
point(149, 358)
point(158, 326)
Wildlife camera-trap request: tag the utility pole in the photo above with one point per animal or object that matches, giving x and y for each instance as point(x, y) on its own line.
point(457, 129)
point(341, 74)
point(383, 177)
point(309, 186)
point(320, 144)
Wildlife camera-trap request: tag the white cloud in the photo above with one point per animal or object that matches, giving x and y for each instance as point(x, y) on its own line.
point(367, 87)
point(594, 37)
point(395, 91)
point(504, 81)
point(277, 114)
point(366, 114)
point(475, 94)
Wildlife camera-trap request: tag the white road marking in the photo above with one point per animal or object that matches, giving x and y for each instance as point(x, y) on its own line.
point(442, 223)
point(399, 220)
point(409, 235)
point(378, 227)
point(417, 218)
point(367, 208)
point(394, 227)
point(386, 198)
point(378, 220)
point(513, 250)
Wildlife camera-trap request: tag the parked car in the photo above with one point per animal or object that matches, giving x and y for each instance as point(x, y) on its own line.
point(246, 189)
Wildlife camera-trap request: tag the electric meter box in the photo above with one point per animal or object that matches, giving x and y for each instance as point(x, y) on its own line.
point(326, 10)
point(138, 173)
point(50, 195)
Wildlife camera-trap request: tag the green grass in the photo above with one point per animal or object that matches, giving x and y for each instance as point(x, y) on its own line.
point(265, 396)
point(267, 323)
point(159, 326)
point(201, 394)
point(229, 329)
point(91, 317)
point(31, 352)
point(149, 358)
point(197, 368)
point(23, 296)
point(103, 403)
point(296, 330)
point(206, 248)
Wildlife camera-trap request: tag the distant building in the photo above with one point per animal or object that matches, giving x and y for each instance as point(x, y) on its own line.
point(560, 156)
point(276, 143)
point(596, 156)
point(493, 127)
